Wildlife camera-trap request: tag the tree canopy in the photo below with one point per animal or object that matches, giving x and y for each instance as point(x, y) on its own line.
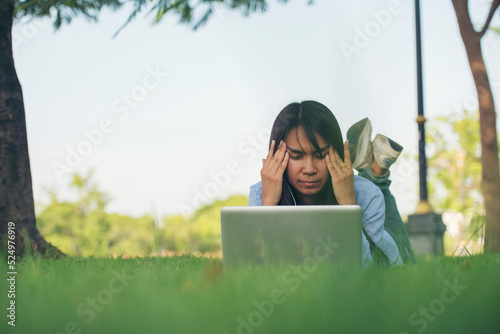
point(187, 11)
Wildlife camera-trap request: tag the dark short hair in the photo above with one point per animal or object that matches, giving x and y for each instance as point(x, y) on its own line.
point(314, 118)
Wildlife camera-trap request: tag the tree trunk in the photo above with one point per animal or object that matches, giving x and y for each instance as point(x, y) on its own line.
point(487, 121)
point(16, 193)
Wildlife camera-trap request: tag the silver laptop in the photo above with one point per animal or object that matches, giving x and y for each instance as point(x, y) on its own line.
point(298, 234)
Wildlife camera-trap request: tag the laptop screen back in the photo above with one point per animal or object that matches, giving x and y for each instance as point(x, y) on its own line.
point(276, 234)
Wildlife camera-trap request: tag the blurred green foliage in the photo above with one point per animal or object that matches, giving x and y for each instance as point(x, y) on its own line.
point(454, 169)
point(201, 231)
point(455, 166)
point(83, 227)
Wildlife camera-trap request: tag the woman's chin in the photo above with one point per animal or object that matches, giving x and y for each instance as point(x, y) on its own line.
point(309, 190)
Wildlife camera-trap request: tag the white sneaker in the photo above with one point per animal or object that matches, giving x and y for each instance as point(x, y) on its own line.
point(385, 151)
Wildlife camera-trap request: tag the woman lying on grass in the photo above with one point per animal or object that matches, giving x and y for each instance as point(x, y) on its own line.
point(309, 164)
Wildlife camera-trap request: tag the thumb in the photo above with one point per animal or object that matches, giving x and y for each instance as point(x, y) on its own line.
point(263, 161)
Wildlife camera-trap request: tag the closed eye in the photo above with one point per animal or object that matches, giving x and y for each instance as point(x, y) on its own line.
point(297, 157)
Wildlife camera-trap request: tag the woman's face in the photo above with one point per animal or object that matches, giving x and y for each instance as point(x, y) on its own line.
point(306, 170)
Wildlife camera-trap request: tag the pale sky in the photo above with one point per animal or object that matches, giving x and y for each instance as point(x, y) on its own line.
point(175, 118)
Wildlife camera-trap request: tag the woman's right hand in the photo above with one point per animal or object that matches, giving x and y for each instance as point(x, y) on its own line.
point(272, 174)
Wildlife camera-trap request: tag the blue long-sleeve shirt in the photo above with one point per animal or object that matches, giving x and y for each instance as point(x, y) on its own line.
point(371, 200)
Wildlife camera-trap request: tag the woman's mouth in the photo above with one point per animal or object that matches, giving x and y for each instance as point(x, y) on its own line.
point(309, 183)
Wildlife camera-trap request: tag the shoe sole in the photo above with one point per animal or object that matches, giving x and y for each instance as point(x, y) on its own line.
point(359, 143)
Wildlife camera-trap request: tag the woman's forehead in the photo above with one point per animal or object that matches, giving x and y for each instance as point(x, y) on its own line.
point(297, 138)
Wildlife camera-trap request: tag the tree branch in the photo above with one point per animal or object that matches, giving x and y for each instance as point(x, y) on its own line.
point(493, 8)
point(464, 21)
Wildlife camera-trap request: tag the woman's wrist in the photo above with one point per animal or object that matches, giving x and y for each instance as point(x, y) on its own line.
point(267, 203)
point(351, 201)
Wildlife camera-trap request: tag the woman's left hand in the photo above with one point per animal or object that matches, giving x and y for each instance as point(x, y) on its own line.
point(342, 175)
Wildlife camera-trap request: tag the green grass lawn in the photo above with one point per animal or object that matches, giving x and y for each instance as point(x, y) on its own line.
point(193, 295)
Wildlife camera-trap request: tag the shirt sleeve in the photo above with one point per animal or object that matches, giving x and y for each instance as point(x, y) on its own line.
point(371, 200)
point(372, 203)
point(255, 196)
point(367, 258)
point(390, 248)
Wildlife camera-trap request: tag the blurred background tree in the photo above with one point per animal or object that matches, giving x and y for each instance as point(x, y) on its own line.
point(201, 231)
point(490, 166)
point(83, 227)
point(455, 179)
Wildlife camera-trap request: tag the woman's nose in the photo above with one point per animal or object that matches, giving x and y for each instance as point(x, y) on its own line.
point(309, 166)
